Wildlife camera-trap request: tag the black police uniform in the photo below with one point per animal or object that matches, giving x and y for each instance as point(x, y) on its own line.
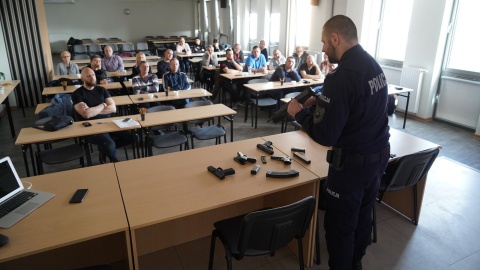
point(351, 116)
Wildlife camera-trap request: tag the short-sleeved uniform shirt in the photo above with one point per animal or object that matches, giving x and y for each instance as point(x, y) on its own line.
point(351, 113)
point(92, 98)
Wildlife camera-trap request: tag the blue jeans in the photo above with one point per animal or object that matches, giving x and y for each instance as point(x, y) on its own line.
point(108, 142)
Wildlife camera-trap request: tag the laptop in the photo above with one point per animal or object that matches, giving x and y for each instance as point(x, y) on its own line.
point(16, 202)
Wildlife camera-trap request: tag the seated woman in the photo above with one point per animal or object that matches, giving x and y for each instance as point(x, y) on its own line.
point(66, 67)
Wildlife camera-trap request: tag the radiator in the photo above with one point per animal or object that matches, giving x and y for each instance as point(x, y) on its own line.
point(411, 77)
point(392, 74)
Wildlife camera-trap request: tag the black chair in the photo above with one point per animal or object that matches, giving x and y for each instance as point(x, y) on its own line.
point(407, 171)
point(263, 101)
point(143, 47)
point(264, 231)
point(205, 133)
point(168, 135)
point(288, 118)
point(79, 49)
point(95, 49)
point(62, 154)
point(128, 47)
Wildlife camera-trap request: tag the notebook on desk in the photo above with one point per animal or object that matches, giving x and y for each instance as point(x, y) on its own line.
point(16, 202)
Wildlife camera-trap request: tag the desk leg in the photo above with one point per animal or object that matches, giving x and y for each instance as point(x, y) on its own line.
point(406, 110)
point(256, 111)
point(25, 160)
point(10, 119)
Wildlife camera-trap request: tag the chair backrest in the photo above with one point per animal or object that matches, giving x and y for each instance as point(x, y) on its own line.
point(79, 49)
point(81, 56)
point(160, 108)
point(95, 49)
point(128, 47)
point(142, 46)
point(274, 228)
point(114, 47)
point(198, 103)
point(292, 95)
point(408, 170)
point(257, 81)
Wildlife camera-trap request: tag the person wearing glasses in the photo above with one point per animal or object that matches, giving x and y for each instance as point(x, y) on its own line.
point(66, 67)
point(300, 56)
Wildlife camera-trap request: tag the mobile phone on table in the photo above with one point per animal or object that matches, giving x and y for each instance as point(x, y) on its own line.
point(126, 120)
point(86, 124)
point(79, 195)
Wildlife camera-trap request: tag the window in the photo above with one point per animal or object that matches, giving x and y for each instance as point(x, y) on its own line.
point(275, 27)
point(462, 55)
point(394, 26)
point(302, 36)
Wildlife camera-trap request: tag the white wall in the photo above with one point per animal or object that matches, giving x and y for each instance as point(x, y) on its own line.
point(105, 18)
point(5, 68)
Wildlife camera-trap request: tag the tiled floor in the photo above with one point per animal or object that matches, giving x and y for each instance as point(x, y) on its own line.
point(447, 236)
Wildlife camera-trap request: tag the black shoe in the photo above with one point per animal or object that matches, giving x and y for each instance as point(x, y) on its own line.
point(114, 159)
point(102, 157)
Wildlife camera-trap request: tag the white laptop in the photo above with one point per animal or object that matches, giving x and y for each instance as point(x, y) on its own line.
point(16, 202)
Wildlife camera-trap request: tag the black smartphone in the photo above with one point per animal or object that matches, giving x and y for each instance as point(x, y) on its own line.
point(126, 120)
point(79, 195)
point(140, 98)
point(86, 124)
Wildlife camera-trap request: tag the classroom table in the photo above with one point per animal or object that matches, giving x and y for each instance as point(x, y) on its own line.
point(260, 88)
point(402, 92)
point(173, 95)
point(401, 144)
point(69, 76)
point(30, 135)
point(119, 101)
point(187, 114)
point(8, 87)
point(71, 88)
point(59, 235)
point(168, 205)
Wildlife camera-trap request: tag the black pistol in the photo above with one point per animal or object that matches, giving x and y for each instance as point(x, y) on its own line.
point(242, 159)
point(301, 98)
point(286, 160)
point(266, 147)
point(221, 173)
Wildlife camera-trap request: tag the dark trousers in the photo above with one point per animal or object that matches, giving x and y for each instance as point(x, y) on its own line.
point(108, 142)
point(351, 193)
point(184, 64)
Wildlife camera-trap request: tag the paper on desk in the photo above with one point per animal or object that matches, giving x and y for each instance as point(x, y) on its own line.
point(122, 124)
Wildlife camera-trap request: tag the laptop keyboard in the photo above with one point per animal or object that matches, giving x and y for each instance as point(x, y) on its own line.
point(15, 201)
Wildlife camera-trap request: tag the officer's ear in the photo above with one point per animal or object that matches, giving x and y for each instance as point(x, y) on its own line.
point(334, 38)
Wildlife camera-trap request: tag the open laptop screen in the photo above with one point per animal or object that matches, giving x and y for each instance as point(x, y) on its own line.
point(9, 181)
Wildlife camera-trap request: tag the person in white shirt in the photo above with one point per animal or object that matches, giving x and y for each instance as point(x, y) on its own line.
point(183, 49)
point(277, 60)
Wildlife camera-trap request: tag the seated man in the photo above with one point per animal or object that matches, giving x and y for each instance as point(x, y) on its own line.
point(256, 61)
point(277, 60)
point(96, 66)
point(209, 59)
point(163, 66)
point(238, 53)
point(198, 46)
point(144, 82)
point(217, 47)
point(325, 66)
point(140, 56)
point(228, 66)
point(263, 49)
point(287, 73)
point(183, 49)
point(176, 80)
point(94, 102)
point(309, 69)
point(300, 56)
point(112, 62)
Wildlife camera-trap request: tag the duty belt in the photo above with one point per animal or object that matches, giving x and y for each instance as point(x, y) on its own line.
point(337, 158)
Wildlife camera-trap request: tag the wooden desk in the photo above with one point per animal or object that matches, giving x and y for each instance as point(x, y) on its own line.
point(188, 114)
point(401, 144)
point(167, 205)
point(8, 87)
point(87, 61)
point(59, 235)
point(128, 84)
point(392, 90)
point(71, 88)
point(173, 95)
point(70, 76)
point(258, 88)
point(30, 135)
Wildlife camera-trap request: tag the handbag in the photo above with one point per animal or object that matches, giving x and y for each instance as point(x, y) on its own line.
point(53, 123)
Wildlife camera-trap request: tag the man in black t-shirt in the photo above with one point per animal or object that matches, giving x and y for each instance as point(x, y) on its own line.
point(228, 66)
point(94, 102)
point(100, 72)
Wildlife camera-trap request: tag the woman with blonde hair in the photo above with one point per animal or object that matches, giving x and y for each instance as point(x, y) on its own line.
point(66, 67)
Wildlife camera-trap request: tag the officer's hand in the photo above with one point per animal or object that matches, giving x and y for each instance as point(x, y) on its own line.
point(294, 107)
point(310, 102)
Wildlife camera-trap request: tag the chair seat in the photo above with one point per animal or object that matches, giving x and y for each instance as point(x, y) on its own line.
point(207, 133)
point(62, 154)
point(265, 102)
point(167, 140)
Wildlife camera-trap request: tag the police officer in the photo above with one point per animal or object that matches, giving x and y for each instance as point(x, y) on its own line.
point(351, 116)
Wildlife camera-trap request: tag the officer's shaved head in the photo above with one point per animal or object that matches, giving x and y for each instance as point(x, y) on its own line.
point(343, 26)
